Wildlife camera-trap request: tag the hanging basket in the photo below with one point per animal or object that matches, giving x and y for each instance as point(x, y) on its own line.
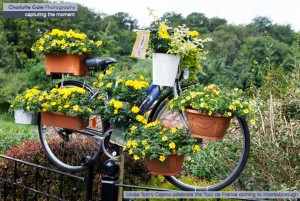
point(164, 69)
point(118, 136)
point(171, 166)
point(207, 127)
point(22, 117)
point(64, 121)
point(65, 63)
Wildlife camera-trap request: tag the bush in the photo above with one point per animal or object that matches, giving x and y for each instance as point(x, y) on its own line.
point(32, 152)
point(274, 159)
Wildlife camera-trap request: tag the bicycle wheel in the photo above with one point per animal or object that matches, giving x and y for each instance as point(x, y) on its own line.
point(218, 163)
point(66, 148)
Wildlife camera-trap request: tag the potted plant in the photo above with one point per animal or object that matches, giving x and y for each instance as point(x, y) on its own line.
point(67, 107)
point(169, 45)
point(125, 94)
point(161, 147)
point(26, 106)
point(209, 109)
point(65, 50)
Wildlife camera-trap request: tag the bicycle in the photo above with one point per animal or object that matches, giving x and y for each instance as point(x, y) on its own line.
point(221, 168)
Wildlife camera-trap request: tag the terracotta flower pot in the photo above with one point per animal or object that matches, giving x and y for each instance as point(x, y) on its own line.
point(65, 63)
point(207, 127)
point(63, 121)
point(171, 166)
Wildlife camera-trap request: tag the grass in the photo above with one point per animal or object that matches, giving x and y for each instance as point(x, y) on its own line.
point(13, 134)
point(160, 182)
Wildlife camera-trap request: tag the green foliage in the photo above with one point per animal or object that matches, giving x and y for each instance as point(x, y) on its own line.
point(27, 101)
point(66, 42)
point(213, 100)
point(157, 141)
point(12, 134)
point(274, 160)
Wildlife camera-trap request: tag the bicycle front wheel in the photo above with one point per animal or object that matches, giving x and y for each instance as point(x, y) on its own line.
point(218, 163)
point(65, 147)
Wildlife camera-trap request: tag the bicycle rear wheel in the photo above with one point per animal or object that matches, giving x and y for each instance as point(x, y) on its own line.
point(218, 163)
point(66, 148)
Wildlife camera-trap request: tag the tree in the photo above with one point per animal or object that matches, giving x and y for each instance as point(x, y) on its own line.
point(215, 23)
point(172, 19)
point(283, 33)
point(198, 22)
point(262, 24)
point(252, 59)
point(124, 21)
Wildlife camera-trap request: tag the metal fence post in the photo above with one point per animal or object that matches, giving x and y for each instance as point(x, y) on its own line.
point(109, 191)
point(88, 161)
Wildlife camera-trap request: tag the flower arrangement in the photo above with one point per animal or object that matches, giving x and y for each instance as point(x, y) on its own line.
point(68, 42)
point(28, 101)
point(156, 141)
point(127, 95)
point(72, 101)
point(180, 41)
point(212, 100)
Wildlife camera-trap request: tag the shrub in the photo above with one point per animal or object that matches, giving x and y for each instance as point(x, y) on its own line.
point(274, 160)
point(32, 152)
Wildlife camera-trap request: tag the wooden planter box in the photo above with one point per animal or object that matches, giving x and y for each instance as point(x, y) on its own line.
point(65, 63)
point(63, 121)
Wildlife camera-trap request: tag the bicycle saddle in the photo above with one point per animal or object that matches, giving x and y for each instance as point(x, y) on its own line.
point(99, 62)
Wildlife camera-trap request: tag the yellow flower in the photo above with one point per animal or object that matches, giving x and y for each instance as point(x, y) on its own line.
point(164, 138)
point(172, 145)
point(116, 111)
point(84, 49)
point(109, 85)
point(135, 109)
point(147, 147)
point(130, 151)
point(76, 108)
point(252, 121)
point(162, 158)
point(246, 111)
point(53, 103)
point(194, 33)
point(173, 130)
point(118, 104)
point(196, 148)
point(136, 157)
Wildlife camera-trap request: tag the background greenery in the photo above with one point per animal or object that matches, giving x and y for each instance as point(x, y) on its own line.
point(261, 58)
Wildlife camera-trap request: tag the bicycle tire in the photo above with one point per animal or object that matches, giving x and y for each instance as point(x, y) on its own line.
point(200, 175)
point(67, 154)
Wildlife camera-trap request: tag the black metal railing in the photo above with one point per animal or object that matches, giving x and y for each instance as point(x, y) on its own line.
point(20, 180)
